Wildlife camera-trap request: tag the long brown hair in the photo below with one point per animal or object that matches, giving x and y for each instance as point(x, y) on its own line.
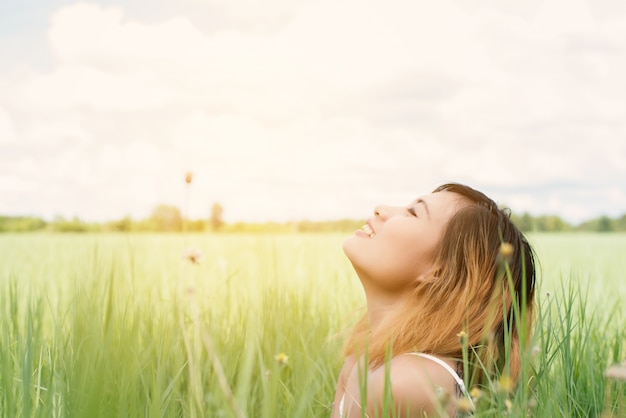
point(479, 293)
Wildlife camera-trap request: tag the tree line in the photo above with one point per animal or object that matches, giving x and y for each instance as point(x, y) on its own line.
point(167, 218)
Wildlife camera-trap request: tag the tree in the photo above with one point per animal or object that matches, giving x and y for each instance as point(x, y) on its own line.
point(60, 224)
point(122, 225)
point(21, 224)
point(605, 224)
point(167, 218)
point(524, 222)
point(551, 223)
point(216, 216)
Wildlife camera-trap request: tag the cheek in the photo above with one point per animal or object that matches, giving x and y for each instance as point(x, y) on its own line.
point(398, 255)
point(416, 253)
point(413, 260)
point(392, 262)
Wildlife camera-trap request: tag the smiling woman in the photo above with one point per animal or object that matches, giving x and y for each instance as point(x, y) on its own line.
point(448, 271)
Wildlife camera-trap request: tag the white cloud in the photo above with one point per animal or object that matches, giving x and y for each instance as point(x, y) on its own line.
point(51, 132)
point(327, 101)
point(16, 184)
point(254, 16)
point(143, 156)
point(7, 130)
point(559, 17)
point(110, 158)
point(70, 87)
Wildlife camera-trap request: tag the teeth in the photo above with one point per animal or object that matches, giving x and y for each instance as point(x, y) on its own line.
point(366, 228)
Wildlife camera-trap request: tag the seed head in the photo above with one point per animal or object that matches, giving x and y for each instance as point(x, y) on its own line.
point(535, 351)
point(281, 358)
point(505, 252)
point(443, 396)
point(462, 337)
point(194, 255)
point(188, 177)
point(505, 384)
point(464, 405)
point(476, 393)
point(506, 249)
point(509, 405)
point(616, 372)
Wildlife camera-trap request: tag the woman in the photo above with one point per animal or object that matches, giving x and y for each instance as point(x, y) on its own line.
point(448, 271)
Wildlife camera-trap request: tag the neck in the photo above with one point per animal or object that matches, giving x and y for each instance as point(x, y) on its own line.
point(380, 306)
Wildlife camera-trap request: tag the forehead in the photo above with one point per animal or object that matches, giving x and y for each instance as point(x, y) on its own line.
point(443, 204)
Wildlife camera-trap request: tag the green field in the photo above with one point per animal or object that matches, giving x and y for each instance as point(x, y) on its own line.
point(125, 326)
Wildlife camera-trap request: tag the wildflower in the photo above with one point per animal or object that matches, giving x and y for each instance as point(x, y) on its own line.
point(462, 337)
point(443, 396)
point(535, 351)
point(464, 405)
point(194, 255)
point(505, 384)
point(476, 393)
point(509, 405)
point(616, 372)
point(188, 177)
point(505, 252)
point(281, 358)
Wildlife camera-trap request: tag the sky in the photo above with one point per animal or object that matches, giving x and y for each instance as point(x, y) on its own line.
point(310, 109)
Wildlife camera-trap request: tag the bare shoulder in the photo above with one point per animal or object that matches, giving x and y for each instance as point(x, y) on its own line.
point(415, 384)
point(349, 362)
point(344, 374)
point(346, 369)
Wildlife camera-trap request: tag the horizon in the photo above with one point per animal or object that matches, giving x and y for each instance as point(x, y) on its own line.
point(105, 105)
point(284, 221)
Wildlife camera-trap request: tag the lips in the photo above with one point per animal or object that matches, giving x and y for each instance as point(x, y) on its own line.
point(368, 230)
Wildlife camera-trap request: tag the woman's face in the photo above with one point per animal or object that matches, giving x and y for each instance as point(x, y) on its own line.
point(397, 246)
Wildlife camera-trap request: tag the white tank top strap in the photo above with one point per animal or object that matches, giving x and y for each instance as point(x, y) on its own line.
point(450, 370)
point(341, 403)
point(437, 360)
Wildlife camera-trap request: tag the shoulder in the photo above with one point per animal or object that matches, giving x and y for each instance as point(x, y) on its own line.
point(347, 367)
point(344, 374)
point(415, 384)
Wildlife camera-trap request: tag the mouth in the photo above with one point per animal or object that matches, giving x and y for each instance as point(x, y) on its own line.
point(368, 230)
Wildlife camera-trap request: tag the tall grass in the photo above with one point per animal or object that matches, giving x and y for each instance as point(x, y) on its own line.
point(124, 326)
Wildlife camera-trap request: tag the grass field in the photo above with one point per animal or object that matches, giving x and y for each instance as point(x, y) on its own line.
point(125, 326)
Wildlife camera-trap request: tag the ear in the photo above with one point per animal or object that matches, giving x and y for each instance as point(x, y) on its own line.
point(430, 275)
point(423, 278)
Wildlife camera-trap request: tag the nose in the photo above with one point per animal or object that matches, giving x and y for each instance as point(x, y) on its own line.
point(384, 212)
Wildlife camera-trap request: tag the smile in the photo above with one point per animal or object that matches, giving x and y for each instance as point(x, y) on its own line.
point(368, 230)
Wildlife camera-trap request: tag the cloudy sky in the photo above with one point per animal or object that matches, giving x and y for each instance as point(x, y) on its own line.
point(292, 109)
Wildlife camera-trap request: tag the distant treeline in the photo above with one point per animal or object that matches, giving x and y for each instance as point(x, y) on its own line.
point(166, 218)
point(126, 224)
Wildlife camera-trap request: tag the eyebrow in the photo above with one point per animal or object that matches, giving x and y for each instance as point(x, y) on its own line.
point(420, 200)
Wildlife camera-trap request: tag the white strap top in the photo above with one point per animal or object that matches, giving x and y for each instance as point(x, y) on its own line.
point(437, 360)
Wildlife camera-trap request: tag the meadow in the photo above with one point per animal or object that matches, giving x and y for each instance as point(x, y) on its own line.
point(126, 325)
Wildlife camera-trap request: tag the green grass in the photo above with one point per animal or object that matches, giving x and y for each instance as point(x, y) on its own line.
point(124, 326)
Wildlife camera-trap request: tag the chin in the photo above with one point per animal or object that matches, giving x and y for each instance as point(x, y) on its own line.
point(348, 246)
point(353, 251)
